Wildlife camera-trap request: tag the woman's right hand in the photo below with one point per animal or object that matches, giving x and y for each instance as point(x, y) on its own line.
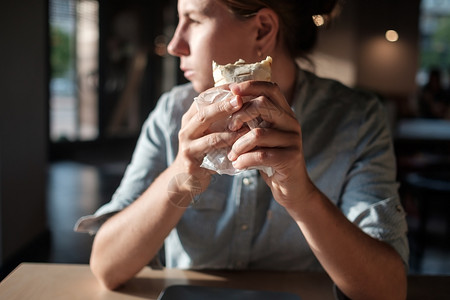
point(130, 239)
point(195, 140)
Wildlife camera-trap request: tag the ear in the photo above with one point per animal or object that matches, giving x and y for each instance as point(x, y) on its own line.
point(268, 26)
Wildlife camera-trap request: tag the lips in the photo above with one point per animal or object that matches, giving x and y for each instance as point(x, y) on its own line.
point(188, 73)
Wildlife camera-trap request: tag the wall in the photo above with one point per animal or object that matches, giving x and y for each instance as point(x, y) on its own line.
point(23, 124)
point(390, 68)
point(336, 51)
point(355, 51)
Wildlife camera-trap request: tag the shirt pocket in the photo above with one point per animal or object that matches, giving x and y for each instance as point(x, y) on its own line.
point(201, 227)
point(209, 200)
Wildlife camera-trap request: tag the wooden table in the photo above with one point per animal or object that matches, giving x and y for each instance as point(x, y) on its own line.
point(62, 281)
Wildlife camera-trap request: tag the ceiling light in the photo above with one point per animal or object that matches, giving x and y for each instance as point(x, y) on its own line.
point(391, 36)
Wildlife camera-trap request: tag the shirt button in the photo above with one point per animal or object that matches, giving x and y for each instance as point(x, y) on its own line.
point(246, 181)
point(244, 227)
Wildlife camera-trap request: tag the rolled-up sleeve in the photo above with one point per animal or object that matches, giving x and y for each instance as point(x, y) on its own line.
point(149, 159)
point(370, 196)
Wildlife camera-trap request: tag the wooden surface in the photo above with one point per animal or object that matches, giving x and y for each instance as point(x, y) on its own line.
point(61, 281)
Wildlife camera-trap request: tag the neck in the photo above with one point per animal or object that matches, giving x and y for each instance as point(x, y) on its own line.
point(284, 73)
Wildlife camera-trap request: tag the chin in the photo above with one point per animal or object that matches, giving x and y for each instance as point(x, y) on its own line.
point(201, 86)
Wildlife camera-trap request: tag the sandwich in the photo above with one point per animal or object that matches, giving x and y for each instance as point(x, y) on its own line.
point(241, 71)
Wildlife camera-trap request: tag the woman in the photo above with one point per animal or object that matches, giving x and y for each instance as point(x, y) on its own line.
point(332, 201)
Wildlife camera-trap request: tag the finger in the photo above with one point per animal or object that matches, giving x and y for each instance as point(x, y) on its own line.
point(271, 157)
point(262, 88)
point(262, 138)
point(193, 109)
point(262, 108)
point(208, 114)
point(214, 141)
point(198, 119)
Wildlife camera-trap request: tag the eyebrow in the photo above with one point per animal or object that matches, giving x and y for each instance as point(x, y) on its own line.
point(205, 10)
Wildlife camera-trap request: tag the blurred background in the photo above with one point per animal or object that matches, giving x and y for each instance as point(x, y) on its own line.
point(79, 77)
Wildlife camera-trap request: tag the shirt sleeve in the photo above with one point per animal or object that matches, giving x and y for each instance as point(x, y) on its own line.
point(148, 161)
point(370, 196)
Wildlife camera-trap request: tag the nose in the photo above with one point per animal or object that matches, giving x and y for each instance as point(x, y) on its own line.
point(178, 46)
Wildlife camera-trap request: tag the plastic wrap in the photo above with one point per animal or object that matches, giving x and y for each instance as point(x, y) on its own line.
point(217, 159)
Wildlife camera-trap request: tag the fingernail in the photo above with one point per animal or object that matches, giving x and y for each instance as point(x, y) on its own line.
point(232, 125)
point(234, 102)
point(234, 87)
point(231, 156)
point(234, 163)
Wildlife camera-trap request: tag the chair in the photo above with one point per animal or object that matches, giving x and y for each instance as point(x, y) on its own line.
point(428, 193)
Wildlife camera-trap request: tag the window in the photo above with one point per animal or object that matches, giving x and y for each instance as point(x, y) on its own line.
point(74, 36)
point(435, 39)
point(108, 68)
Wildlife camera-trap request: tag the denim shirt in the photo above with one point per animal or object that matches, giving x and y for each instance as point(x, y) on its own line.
point(236, 223)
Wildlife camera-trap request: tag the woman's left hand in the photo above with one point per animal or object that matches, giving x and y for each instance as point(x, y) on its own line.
point(278, 145)
point(331, 236)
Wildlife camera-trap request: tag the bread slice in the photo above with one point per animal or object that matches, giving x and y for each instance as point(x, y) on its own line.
point(241, 71)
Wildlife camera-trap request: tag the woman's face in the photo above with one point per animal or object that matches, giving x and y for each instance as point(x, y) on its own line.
point(207, 31)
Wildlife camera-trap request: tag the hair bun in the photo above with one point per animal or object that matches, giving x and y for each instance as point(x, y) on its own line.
point(323, 7)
